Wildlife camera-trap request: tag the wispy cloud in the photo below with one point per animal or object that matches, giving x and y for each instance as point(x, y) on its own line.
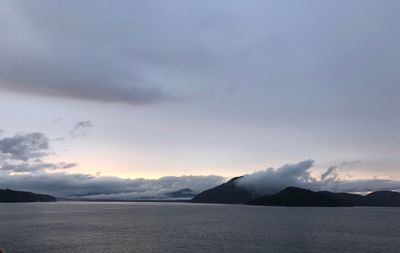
point(34, 166)
point(81, 128)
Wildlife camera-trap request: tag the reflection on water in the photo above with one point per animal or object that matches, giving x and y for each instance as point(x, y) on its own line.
point(179, 227)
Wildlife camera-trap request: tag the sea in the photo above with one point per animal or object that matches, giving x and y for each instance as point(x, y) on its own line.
point(94, 227)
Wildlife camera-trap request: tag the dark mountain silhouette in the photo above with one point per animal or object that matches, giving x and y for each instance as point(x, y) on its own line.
point(355, 199)
point(228, 193)
point(293, 196)
point(183, 193)
point(382, 198)
point(379, 198)
point(231, 193)
point(19, 196)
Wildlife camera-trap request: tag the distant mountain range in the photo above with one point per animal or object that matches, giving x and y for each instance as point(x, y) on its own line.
point(185, 193)
point(11, 196)
point(231, 193)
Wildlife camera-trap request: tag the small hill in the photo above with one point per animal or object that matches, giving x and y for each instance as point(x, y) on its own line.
point(293, 196)
point(11, 196)
point(227, 193)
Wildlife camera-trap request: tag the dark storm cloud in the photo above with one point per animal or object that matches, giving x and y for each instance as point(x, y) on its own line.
point(79, 185)
point(24, 146)
point(81, 128)
point(272, 180)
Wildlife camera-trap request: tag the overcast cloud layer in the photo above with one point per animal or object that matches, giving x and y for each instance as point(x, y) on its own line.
point(201, 87)
point(145, 51)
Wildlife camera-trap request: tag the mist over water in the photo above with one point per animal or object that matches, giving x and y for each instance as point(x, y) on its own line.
point(180, 227)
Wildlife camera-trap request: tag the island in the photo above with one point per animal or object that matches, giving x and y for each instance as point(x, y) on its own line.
point(10, 196)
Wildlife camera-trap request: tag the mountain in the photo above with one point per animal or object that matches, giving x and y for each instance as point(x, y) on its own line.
point(231, 193)
point(227, 193)
point(355, 199)
point(293, 196)
point(183, 193)
point(379, 198)
point(19, 196)
point(382, 198)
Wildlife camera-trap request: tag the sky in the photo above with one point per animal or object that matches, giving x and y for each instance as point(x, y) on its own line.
point(191, 93)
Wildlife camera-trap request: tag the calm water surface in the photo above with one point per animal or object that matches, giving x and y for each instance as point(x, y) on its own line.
point(179, 227)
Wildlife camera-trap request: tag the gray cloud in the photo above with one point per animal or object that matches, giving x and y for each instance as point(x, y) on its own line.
point(329, 172)
point(24, 153)
point(272, 180)
point(77, 89)
point(81, 128)
point(301, 76)
point(140, 52)
point(79, 185)
point(34, 166)
point(365, 185)
point(64, 165)
point(24, 146)
point(62, 64)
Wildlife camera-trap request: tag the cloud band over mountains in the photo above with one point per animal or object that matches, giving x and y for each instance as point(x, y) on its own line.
point(272, 180)
point(102, 187)
point(23, 167)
